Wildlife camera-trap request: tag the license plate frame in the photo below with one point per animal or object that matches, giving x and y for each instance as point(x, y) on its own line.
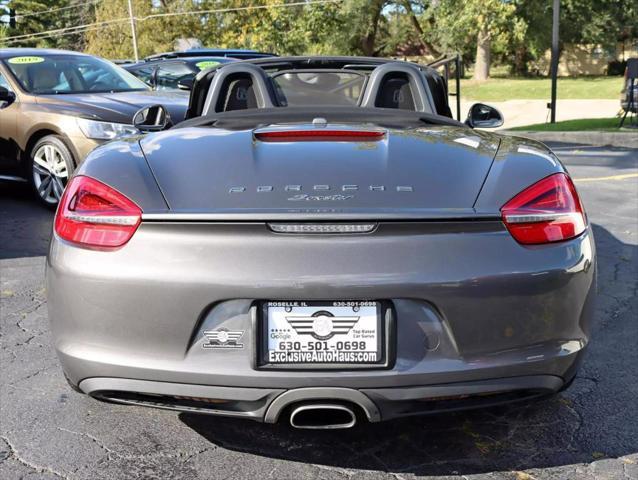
point(386, 332)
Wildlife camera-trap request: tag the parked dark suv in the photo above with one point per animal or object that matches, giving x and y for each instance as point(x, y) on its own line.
point(56, 106)
point(173, 73)
point(215, 52)
point(176, 70)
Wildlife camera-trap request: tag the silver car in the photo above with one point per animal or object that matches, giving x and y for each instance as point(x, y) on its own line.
point(321, 244)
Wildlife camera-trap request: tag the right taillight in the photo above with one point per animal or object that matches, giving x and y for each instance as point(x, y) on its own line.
point(93, 215)
point(548, 211)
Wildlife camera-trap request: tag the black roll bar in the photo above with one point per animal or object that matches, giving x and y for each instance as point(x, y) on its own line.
point(445, 63)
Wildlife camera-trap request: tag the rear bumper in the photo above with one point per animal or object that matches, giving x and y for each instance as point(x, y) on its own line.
point(272, 405)
point(470, 305)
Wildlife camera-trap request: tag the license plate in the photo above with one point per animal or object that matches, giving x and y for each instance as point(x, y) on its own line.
point(339, 332)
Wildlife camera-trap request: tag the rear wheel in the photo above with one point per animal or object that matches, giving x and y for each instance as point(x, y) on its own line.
point(50, 166)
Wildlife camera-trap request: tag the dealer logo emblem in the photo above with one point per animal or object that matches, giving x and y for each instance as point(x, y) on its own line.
point(322, 324)
point(223, 338)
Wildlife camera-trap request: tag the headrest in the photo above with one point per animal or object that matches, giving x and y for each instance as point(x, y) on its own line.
point(395, 93)
point(240, 96)
point(43, 77)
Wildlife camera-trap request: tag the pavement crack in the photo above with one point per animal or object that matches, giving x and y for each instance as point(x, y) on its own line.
point(580, 421)
point(198, 452)
point(31, 375)
point(625, 473)
point(13, 453)
point(342, 471)
point(111, 453)
point(23, 312)
point(398, 476)
point(93, 439)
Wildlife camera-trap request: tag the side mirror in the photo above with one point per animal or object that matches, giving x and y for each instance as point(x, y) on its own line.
point(154, 118)
point(186, 83)
point(6, 96)
point(484, 116)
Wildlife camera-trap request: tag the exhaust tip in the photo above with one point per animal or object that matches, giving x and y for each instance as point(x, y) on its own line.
point(323, 417)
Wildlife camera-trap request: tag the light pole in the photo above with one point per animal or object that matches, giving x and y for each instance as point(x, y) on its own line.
point(133, 32)
point(555, 53)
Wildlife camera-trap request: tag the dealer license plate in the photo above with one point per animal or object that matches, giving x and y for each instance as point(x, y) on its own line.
point(336, 332)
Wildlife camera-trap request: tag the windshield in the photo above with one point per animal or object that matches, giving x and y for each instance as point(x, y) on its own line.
point(71, 74)
point(319, 88)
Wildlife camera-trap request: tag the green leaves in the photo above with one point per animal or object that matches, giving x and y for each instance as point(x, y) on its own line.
point(512, 32)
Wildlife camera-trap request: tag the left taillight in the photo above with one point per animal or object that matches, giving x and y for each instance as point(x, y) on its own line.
point(546, 212)
point(93, 215)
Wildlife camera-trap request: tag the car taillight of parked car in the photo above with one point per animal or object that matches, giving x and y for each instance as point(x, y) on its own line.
point(548, 211)
point(93, 215)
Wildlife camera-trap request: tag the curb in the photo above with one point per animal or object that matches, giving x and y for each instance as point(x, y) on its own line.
point(599, 139)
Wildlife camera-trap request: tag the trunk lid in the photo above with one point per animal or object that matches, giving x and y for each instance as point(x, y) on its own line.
point(429, 172)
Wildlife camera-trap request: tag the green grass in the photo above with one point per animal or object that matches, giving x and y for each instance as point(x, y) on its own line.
point(501, 89)
point(585, 124)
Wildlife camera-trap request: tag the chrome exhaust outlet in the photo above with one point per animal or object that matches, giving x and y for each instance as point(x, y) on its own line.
point(323, 416)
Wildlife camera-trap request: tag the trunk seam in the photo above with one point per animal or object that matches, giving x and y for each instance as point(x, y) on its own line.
point(148, 164)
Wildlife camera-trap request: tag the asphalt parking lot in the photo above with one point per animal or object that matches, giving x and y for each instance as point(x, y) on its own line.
point(590, 431)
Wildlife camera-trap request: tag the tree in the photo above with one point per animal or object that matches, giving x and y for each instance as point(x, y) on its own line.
point(270, 27)
point(82, 13)
point(112, 37)
point(484, 25)
point(36, 17)
point(603, 22)
point(365, 26)
point(482, 31)
point(423, 37)
point(317, 27)
point(4, 27)
point(285, 29)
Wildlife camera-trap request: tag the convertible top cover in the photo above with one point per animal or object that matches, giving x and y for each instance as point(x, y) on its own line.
point(385, 117)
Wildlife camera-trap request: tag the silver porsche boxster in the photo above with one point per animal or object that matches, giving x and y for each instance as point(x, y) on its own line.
point(320, 243)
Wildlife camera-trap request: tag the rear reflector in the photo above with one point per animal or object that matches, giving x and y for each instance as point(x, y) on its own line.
point(94, 215)
point(322, 227)
point(318, 135)
point(548, 211)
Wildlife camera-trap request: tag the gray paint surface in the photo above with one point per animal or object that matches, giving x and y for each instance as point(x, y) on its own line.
point(157, 288)
point(215, 173)
point(587, 431)
point(470, 303)
point(197, 168)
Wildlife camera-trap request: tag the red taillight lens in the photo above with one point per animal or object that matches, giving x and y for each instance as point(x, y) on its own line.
point(94, 215)
point(320, 135)
point(548, 211)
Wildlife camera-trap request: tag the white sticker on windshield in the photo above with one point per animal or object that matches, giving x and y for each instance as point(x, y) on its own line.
point(206, 64)
point(23, 60)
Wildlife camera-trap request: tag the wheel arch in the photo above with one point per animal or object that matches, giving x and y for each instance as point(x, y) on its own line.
point(38, 134)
